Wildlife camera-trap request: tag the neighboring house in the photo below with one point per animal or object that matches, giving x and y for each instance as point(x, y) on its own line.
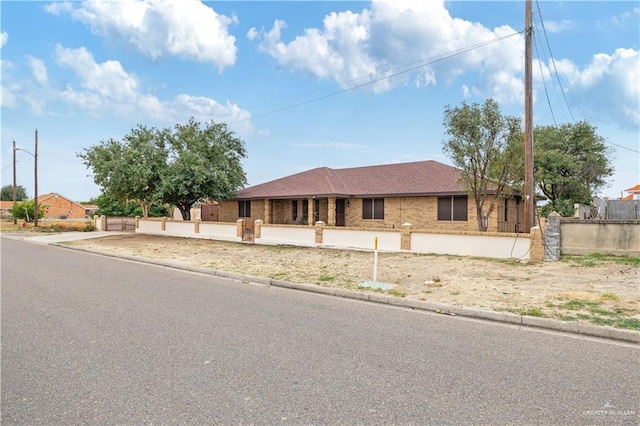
point(634, 193)
point(5, 206)
point(425, 193)
point(57, 206)
point(90, 209)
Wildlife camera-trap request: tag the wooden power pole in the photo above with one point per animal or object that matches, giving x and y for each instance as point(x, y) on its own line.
point(529, 185)
point(15, 188)
point(35, 176)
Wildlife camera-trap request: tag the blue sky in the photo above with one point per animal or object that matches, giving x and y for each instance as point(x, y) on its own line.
point(306, 84)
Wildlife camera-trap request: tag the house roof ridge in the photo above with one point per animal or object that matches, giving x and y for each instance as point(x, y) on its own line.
point(400, 179)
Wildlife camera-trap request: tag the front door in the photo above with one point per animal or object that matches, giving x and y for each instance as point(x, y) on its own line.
point(340, 211)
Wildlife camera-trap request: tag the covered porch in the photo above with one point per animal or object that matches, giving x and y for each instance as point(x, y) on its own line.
point(306, 211)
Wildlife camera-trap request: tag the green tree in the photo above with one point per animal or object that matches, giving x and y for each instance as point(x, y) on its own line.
point(483, 143)
point(6, 193)
point(129, 170)
point(571, 164)
point(204, 163)
point(108, 206)
point(24, 210)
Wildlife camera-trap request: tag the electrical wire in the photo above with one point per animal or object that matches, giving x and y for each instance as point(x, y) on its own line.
point(553, 61)
point(557, 75)
point(385, 75)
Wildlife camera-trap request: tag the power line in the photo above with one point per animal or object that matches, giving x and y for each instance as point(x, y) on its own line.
point(383, 75)
point(557, 75)
point(553, 61)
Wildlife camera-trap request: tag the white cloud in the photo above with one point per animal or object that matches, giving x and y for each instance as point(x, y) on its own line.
point(398, 43)
point(556, 27)
point(4, 37)
point(108, 79)
point(607, 88)
point(205, 109)
point(107, 89)
point(38, 69)
point(185, 28)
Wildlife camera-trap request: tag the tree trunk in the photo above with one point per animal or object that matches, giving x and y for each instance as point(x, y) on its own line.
point(185, 211)
point(483, 220)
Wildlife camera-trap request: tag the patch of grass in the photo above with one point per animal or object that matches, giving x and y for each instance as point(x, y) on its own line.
point(599, 311)
point(629, 323)
point(531, 312)
point(596, 256)
point(327, 278)
point(397, 293)
point(609, 296)
point(574, 305)
point(568, 318)
point(596, 259)
point(455, 293)
point(278, 276)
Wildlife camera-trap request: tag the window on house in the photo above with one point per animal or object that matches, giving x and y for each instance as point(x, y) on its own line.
point(452, 208)
point(294, 210)
point(373, 208)
point(244, 208)
point(316, 210)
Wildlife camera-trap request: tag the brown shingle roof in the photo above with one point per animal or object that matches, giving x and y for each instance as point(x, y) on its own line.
point(401, 179)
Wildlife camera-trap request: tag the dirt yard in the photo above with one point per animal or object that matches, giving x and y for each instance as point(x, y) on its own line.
point(598, 289)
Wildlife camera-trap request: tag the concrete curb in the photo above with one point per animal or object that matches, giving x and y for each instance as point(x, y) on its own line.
point(573, 327)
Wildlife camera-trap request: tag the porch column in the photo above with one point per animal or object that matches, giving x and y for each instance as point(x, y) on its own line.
point(311, 212)
point(331, 213)
point(267, 210)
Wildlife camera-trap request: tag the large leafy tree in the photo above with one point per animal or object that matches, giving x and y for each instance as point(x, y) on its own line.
point(203, 163)
point(107, 206)
point(483, 144)
point(129, 170)
point(6, 193)
point(571, 164)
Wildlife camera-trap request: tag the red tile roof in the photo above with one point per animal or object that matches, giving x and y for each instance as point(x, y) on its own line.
point(402, 179)
point(633, 189)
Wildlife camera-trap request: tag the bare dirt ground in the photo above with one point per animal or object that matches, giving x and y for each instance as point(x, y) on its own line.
point(598, 289)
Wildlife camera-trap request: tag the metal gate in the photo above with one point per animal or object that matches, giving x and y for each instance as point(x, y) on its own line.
point(122, 224)
point(247, 231)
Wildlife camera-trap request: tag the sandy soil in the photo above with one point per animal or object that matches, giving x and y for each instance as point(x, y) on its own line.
point(599, 290)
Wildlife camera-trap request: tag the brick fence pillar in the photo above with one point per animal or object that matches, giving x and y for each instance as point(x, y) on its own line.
point(405, 236)
point(240, 228)
point(164, 224)
point(536, 253)
point(258, 225)
point(319, 230)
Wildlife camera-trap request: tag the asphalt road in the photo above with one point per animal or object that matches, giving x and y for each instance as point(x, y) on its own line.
point(93, 340)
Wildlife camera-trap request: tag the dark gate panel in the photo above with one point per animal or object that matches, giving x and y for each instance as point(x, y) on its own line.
point(247, 231)
point(209, 212)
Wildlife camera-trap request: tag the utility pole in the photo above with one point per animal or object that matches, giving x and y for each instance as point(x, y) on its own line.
point(35, 175)
point(15, 188)
point(529, 190)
